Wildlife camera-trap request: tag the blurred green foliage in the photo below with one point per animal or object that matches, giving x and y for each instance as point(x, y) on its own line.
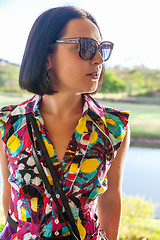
point(9, 77)
point(1, 227)
point(112, 84)
point(140, 80)
point(137, 81)
point(138, 220)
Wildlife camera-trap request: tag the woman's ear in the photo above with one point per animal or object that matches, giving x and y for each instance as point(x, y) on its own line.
point(48, 63)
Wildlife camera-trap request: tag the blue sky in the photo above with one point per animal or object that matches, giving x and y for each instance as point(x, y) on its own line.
point(133, 26)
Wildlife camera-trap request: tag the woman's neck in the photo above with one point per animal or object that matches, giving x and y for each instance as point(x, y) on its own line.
point(61, 104)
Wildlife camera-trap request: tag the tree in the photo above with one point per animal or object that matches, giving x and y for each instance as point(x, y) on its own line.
point(135, 81)
point(112, 84)
point(9, 76)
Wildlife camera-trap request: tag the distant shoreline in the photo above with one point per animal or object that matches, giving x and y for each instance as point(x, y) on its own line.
point(142, 142)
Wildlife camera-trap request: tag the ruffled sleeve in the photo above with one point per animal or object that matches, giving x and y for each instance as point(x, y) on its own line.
point(5, 122)
point(116, 122)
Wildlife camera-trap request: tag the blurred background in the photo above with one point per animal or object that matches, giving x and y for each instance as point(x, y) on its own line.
point(131, 82)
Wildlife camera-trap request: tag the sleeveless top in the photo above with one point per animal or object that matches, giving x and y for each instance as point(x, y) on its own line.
point(82, 172)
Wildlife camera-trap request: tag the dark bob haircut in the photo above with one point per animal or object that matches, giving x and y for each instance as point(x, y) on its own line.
point(48, 27)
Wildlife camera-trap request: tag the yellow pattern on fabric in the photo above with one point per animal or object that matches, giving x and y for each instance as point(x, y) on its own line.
point(105, 178)
point(70, 151)
point(111, 121)
point(50, 179)
point(81, 229)
point(1, 131)
point(82, 126)
point(66, 166)
point(13, 143)
point(38, 123)
point(34, 203)
point(104, 120)
point(65, 234)
point(120, 137)
point(100, 190)
point(49, 148)
point(94, 136)
point(23, 214)
point(89, 165)
point(73, 168)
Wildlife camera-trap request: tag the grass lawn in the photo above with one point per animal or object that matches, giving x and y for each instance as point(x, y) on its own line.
point(11, 98)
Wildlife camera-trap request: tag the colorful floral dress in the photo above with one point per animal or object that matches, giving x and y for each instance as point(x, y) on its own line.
point(82, 172)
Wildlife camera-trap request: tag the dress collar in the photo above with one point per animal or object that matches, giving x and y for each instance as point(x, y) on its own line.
point(94, 109)
point(91, 107)
point(30, 105)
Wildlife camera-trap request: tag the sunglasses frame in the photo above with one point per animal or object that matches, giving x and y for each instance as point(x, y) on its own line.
point(79, 41)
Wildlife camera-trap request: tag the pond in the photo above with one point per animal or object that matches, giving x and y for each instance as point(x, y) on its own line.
point(142, 174)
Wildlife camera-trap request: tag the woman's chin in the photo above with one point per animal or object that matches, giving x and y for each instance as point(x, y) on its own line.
point(90, 90)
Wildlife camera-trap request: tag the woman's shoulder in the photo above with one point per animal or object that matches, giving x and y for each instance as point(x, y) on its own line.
point(116, 116)
point(5, 116)
point(19, 109)
point(114, 120)
point(6, 111)
point(111, 115)
point(117, 124)
point(11, 113)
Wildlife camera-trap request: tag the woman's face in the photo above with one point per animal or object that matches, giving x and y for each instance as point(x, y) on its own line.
point(68, 71)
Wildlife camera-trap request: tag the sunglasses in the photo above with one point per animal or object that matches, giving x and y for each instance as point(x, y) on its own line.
point(88, 47)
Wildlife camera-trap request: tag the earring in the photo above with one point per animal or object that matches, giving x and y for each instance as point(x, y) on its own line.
point(47, 80)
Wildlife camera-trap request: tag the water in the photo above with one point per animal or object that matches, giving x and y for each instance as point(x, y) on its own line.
point(141, 174)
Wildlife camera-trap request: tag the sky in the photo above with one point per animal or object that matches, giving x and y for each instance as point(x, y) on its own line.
point(132, 25)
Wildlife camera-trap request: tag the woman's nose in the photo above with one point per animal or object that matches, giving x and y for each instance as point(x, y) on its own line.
point(97, 58)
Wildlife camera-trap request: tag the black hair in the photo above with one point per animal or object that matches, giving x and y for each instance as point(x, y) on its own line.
point(48, 27)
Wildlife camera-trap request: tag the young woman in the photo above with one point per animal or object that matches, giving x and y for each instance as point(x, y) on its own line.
point(62, 65)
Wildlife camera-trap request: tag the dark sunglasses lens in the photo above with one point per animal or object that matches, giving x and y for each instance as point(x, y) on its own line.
point(105, 51)
point(88, 49)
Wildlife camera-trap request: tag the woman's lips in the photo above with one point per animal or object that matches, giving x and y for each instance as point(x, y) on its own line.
point(94, 75)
